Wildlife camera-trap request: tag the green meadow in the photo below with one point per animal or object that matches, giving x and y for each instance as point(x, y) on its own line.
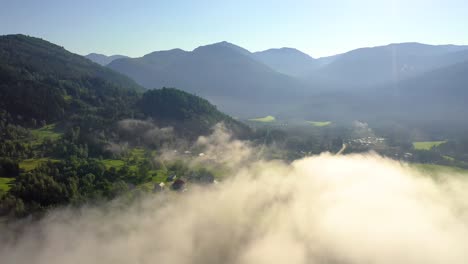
point(266, 119)
point(45, 132)
point(427, 145)
point(30, 164)
point(319, 123)
point(5, 184)
point(113, 163)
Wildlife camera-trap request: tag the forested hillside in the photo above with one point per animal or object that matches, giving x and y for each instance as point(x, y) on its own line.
point(67, 128)
point(42, 82)
point(188, 113)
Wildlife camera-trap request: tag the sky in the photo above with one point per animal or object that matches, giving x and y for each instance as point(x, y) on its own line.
point(319, 28)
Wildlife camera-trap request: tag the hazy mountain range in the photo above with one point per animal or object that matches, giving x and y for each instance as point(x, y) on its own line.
point(288, 61)
point(391, 63)
point(378, 80)
point(360, 67)
point(226, 74)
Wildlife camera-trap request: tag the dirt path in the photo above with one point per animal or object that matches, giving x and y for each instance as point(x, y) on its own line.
point(343, 148)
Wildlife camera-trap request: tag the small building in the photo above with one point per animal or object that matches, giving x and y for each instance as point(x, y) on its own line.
point(159, 187)
point(178, 185)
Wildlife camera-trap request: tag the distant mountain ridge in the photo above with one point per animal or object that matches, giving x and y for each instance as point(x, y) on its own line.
point(359, 67)
point(434, 98)
point(103, 59)
point(288, 61)
point(366, 67)
point(223, 72)
point(267, 82)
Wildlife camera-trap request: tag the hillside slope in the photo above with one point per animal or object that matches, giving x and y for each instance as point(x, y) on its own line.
point(42, 81)
point(438, 95)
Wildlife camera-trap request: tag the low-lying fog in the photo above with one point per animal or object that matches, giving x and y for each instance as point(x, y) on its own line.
point(321, 209)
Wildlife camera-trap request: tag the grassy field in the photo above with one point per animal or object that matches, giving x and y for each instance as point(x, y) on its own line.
point(137, 153)
point(448, 158)
point(31, 164)
point(45, 132)
point(5, 184)
point(67, 97)
point(427, 145)
point(158, 175)
point(266, 119)
point(113, 163)
point(319, 123)
point(133, 159)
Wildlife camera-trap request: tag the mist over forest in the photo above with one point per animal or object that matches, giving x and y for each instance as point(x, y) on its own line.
point(321, 209)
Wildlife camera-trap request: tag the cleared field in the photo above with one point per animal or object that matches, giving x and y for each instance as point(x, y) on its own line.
point(319, 123)
point(132, 159)
point(5, 184)
point(266, 119)
point(113, 163)
point(448, 158)
point(158, 175)
point(138, 153)
point(45, 132)
point(31, 164)
point(427, 145)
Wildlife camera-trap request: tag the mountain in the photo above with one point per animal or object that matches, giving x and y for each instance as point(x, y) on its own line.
point(234, 47)
point(143, 69)
point(103, 59)
point(438, 95)
point(44, 83)
point(187, 113)
point(436, 98)
point(367, 67)
point(262, 83)
point(288, 61)
point(222, 72)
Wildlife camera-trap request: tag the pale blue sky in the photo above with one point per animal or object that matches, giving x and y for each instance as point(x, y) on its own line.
point(319, 28)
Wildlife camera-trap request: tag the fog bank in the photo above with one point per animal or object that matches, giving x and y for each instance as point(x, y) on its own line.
point(322, 209)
